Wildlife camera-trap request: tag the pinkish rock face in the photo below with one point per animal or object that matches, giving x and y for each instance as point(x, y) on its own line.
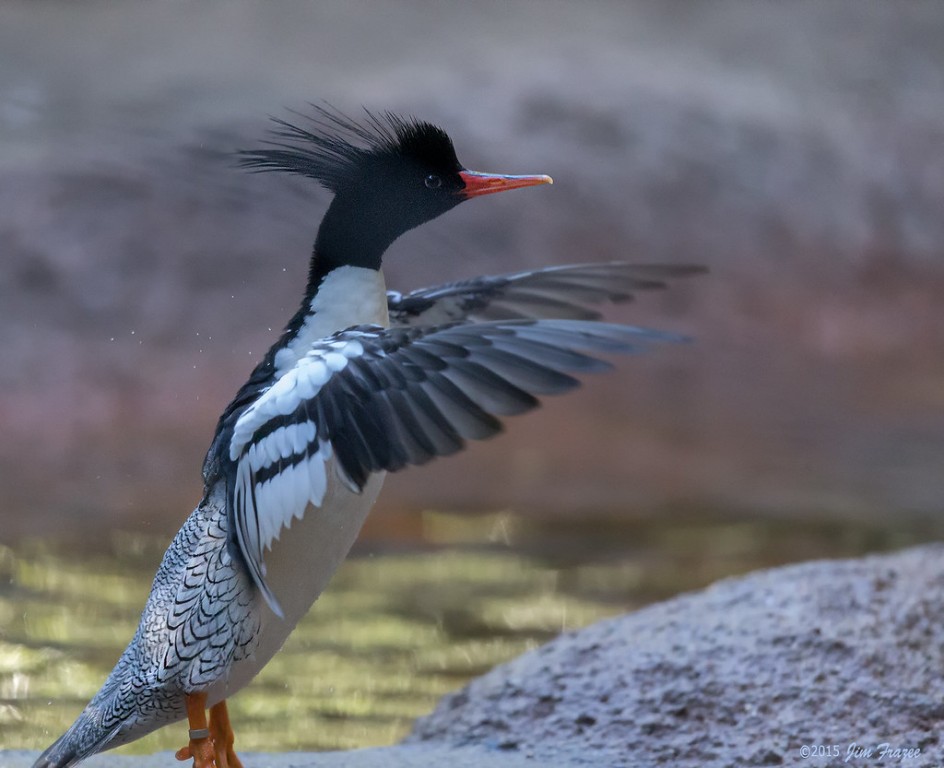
point(794, 155)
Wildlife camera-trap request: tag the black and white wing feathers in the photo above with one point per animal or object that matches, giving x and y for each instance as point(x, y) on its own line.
point(370, 399)
point(566, 292)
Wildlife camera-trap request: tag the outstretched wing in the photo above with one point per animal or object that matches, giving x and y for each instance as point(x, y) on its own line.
point(369, 399)
point(567, 292)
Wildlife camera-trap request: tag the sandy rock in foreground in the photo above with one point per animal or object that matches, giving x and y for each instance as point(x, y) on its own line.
point(812, 665)
point(413, 756)
point(791, 666)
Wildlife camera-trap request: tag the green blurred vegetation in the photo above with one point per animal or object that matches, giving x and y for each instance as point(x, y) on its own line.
point(395, 631)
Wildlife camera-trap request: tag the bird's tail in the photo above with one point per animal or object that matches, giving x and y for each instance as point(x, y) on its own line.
point(107, 721)
point(82, 740)
point(113, 716)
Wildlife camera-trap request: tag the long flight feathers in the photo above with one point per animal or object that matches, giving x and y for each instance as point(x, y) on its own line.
point(370, 399)
point(567, 292)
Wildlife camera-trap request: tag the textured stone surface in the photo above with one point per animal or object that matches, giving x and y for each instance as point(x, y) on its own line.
point(748, 672)
point(416, 756)
point(754, 671)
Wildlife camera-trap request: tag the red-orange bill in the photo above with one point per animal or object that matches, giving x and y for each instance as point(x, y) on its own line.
point(477, 184)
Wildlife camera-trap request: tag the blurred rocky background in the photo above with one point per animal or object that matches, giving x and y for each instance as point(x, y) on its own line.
point(796, 149)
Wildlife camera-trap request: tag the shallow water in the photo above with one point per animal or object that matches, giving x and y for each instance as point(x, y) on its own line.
point(396, 630)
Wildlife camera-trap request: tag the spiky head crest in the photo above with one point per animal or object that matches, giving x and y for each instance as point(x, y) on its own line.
point(336, 150)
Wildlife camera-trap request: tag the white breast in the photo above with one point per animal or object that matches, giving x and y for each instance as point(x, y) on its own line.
point(306, 555)
point(347, 296)
point(298, 569)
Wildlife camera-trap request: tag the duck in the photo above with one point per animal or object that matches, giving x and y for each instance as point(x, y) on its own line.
point(361, 382)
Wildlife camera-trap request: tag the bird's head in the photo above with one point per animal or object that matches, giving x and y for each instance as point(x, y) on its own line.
point(388, 174)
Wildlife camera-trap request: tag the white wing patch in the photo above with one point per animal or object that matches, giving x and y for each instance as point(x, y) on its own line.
point(296, 387)
point(281, 459)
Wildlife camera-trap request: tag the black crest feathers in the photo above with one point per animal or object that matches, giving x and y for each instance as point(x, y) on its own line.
point(335, 148)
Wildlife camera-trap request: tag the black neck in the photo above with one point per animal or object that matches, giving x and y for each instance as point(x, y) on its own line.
point(350, 236)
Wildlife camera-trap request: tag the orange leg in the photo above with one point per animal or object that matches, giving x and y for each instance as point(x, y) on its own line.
point(200, 747)
point(222, 734)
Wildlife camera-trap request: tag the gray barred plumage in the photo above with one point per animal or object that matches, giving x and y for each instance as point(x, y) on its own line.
point(201, 616)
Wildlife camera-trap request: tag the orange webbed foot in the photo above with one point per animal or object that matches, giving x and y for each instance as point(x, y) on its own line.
point(221, 731)
point(200, 750)
point(211, 746)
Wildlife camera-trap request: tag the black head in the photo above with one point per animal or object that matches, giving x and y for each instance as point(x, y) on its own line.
point(389, 174)
point(404, 166)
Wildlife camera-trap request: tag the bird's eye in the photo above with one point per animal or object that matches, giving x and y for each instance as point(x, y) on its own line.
point(433, 181)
